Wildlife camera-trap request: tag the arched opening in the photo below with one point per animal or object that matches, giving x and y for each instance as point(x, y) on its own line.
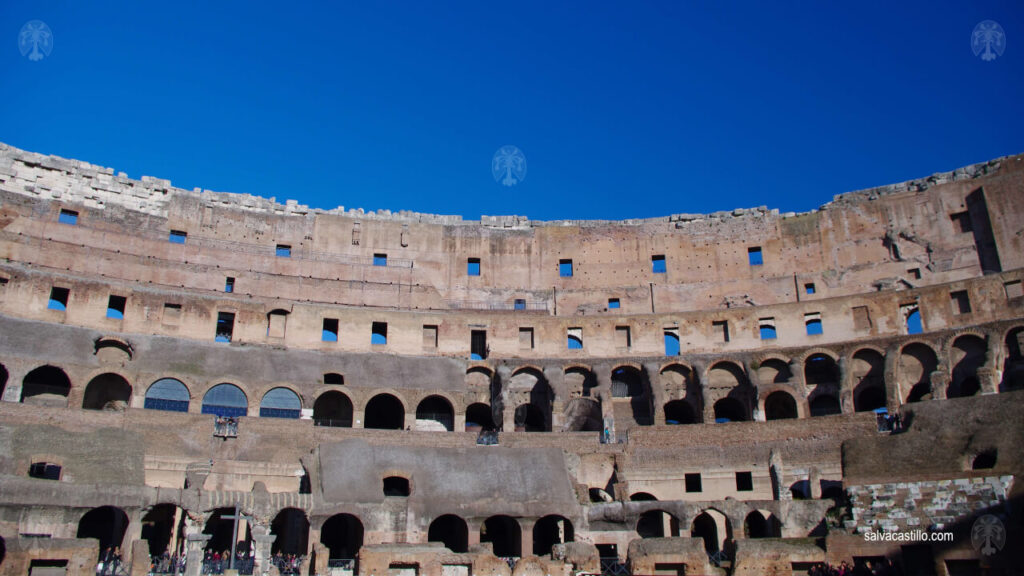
point(580, 381)
point(106, 523)
point(226, 400)
point(913, 321)
point(479, 417)
point(705, 528)
point(628, 382)
point(1013, 366)
point(342, 534)
point(821, 369)
point(757, 525)
point(478, 377)
point(868, 371)
point(108, 392)
point(917, 362)
point(396, 487)
point(451, 531)
point(280, 402)
point(584, 415)
point(825, 405)
point(679, 412)
point(551, 530)
point(599, 495)
point(167, 394)
point(773, 371)
point(730, 410)
point(778, 406)
point(528, 418)
point(292, 530)
point(642, 497)
point(46, 386)
point(985, 460)
point(385, 412)
point(221, 530)
point(435, 413)
point(657, 524)
point(968, 354)
point(332, 409)
point(505, 536)
point(800, 490)
point(158, 528)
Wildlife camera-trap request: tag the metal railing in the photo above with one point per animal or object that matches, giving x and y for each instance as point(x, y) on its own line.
point(511, 561)
point(343, 563)
point(330, 423)
point(612, 567)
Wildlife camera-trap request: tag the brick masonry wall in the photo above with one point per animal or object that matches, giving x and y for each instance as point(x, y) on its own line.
point(929, 505)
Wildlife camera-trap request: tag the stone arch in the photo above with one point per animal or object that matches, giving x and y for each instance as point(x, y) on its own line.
point(530, 387)
point(917, 361)
point(774, 370)
point(1013, 364)
point(580, 380)
point(479, 416)
point(158, 527)
point(334, 409)
point(342, 535)
point(628, 381)
point(967, 355)
point(504, 534)
point(780, 405)
point(168, 394)
point(281, 402)
point(657, 524)
point(108, 391)
point(679, 381)
point(435, 412)
point(713, 527)
point(584, 415)
point(867, 369)
point(451, 530)
point(225, 399)
point(107, 524)
point(479, 377)
point(384, 411)
point(824, 404)
point(642, 497)
point(680, 412)
point(821, 369)
point(760, 524)
point(550, 530)
point(47, 386)
point(291, 526)
point(221, 531)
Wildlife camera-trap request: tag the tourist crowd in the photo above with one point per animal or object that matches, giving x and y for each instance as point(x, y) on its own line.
point(869, 568)
point(110, 562)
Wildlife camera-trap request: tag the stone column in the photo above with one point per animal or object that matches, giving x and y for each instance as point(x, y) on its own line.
point(814, 483)
point(988, 380)
point(940, 381)
point(195, 543)
point(262, 540)
point(556, 381)
point(845, 387)
point(508, 413)
point(893, 394)
point(657, 392)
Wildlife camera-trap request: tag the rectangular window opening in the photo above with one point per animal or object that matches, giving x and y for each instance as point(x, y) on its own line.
point(225, 327)
point(911, 314)
point(613, 303)
point(861, 318)
point(229, 284)
point(809, 288)
point(565, 268)
point(44, 471)
point(720, 329)
point(177, 237)
point(429, 336)
point(283, 251)
point(473, 267)
point(813, 323)
point(915, 273)
point(754, 256)
point(526, 338)
point(380, 259)
point(172, 314)
point(961, 302)
point(329, 331)
point(519, 304)
point(692, 481)
point(623, 338)
point(115, 307)
point(658, 264)
point(68, 217)
point(58, 298)
point(744, 482)
point(671, 341)
point(574, 338)
point(962, 222)
point(766, 326)
point(1014, 289)
point(379, 334)
point(478, 345)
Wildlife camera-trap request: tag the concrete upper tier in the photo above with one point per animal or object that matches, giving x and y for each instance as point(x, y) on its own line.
point(715, 280)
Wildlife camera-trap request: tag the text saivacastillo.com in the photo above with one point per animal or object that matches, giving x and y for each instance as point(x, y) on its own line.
point(908, 536)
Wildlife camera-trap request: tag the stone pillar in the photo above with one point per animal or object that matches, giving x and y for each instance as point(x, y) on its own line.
point(657, 392)
point(940, 381)
point(527, 536)
point(775, 469)
point(195, 543)
point(814, 483)
point(262, 540)
point(988, 380)
point(556, 381)
point(139, 558)
point(893, 394)
point(358, 417)
point(845, 387)
point(503, 374)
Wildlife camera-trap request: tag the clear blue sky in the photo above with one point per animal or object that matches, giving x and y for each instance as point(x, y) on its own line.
point(623, 109)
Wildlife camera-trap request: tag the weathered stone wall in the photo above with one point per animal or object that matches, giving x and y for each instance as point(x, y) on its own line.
point(931, 505)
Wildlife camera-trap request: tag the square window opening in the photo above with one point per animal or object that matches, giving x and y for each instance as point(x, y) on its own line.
point(766, 327)
point(613, 303)
point(519, 304)
point(574, 338)
point(473, 267)
point(809, 288)
point(58, 298)
point(744, 482)
point(754, 256)
point(721, 330)
point(565, 268)
point(283, 251)
point(813, 324)
point(177, 237)
point(526, 338)
point(115, 307)
point(693, 483)
point(962, 222)
point(380, 259)
point(329, 331)
point(961, 302)
point(658, 264)
point(172, 314)
point(68, 217)
point(1014, 289)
